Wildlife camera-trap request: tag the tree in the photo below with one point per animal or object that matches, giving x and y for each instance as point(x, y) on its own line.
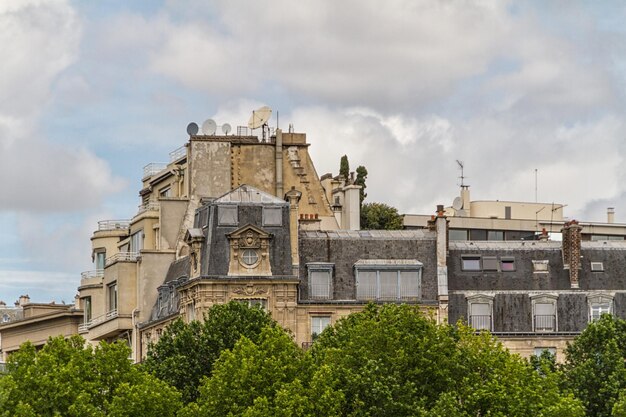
point(344, 168)
point(68, 378)
point(185, 353)
point(361, 176)
point(379, 216)
point(594, 368)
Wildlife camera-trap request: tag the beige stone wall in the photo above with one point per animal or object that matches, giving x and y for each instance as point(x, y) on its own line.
point(170, 221)
point(146, 222)
point(107, 240)
point(210, 168)
point(151, 272)
point(525, 346)
point(254, 165)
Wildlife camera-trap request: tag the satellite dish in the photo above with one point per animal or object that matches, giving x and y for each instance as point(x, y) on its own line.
point(209, 126)
point(259, 117)
point(192, 129)
point(226, 128)
point(457, 204)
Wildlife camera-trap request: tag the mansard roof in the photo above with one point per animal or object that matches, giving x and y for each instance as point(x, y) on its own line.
point(369, 234)
point(248, 194)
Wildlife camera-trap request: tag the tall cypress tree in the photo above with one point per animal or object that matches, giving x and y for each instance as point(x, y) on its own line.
point(361, 176)
point(344, 168)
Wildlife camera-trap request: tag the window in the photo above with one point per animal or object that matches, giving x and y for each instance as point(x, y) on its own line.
point(87, 309)
point(507, 264)
point(540, 265)
point(597, 267)
point(100, 260)
point(544, 313)
point(254, 303)
point(272, 216)
point(479, 311)
point(318, 324)
point(6, 318)
point(388, 280)
point(249, 257)
point(538, 351)
point(227, 215)
point(599, 304)
point(165, 192)
point(477, 234)
point(471, 263)
point(490, 263)
point(320, 278)
point(507, 212)
point(457, 234)
point(191, 311)
point(495, 235)
point(136, 241)
point(112, 296)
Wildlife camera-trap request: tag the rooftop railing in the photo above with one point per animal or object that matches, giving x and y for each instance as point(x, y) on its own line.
point(96, 273)
point(545, 322)
point(178, 153)
point(153, 168)
point(149, 206)
point(111, 314)
point(113, 225)
point(122, 257)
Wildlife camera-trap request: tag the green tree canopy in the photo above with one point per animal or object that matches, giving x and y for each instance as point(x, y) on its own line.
point(594, 366)
point(185, 353)
point(361, 176)
point(67, 378)
point(344, 168)
point(379, 216)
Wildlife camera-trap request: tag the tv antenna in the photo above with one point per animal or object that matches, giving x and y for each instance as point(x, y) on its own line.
point(259, 119)
point(460, 163)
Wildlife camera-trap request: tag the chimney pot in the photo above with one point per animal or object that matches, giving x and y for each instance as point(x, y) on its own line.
point(610, 215)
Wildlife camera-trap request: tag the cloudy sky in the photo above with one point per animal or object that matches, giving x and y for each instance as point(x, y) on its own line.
point(90, 92)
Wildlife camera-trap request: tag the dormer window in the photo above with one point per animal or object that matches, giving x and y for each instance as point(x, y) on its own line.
point(249, 251)
point(227, 216)
point(471, 263)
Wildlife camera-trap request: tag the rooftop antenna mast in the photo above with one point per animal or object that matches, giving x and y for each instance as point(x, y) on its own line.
point(460, 163)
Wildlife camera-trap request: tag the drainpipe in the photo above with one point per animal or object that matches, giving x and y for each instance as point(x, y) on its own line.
point(279, 162)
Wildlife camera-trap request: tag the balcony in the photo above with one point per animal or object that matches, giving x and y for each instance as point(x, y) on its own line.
point(545, 323)
point(96, 273)
point(480, 322)
point(122, 257)
point(153, 168)
point(176, 154)
point(149, 206)
point(113, 225)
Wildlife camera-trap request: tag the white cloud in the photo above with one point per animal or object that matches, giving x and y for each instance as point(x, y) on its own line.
point(40, 39)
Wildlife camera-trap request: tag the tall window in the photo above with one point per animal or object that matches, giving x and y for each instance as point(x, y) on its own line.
point(253, 302)
point(318, 324)
point(100, 259)
point(599, 304)
point(112, 296)
point(136, 241)
point(388, 280)
point(320, 279)
point(87, 309)
point(480, 312)
point(544, 313)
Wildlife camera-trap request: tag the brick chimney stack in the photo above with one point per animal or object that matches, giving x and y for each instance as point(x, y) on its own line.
point(571, 250)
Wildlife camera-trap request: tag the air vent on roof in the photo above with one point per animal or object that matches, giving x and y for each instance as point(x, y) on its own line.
point(597, 266)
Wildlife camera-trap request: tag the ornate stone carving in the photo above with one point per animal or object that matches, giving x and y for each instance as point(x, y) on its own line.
point(250, 290)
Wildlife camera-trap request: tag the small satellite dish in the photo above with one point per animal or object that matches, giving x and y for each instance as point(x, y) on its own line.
point(259, 117)
point(226, 128)
point(457, 204)
point(209, 126)
point(192, 129)
point(461, 213)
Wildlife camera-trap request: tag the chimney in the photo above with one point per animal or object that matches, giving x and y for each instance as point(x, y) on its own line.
point(441, 227)
point(24, 299)
point(610, 215)
point(571, 250)
point(544, 235)
point(293, 197)
point(465, 197)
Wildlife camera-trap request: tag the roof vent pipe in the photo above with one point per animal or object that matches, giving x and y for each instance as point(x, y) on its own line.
point(610, 215)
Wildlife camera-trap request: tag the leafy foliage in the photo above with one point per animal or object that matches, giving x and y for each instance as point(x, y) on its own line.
point(344, 168)
point(68, 378)
point(379, 216)
point(185, 353)
point(361, 176)
point(594, 368)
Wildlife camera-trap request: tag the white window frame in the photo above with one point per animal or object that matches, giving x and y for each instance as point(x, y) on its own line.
point(540, 266)
point(230, 207)
point(539, 319)
point(136, 241)
point(252, 302)
point(600, 300)
point(389, 266)
point(325, 320)
point(597, 266)
point(320, 267)
point(471, 257)
point(480, 299)
point(100, 259)
point(112, 301)
point(266, 216)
